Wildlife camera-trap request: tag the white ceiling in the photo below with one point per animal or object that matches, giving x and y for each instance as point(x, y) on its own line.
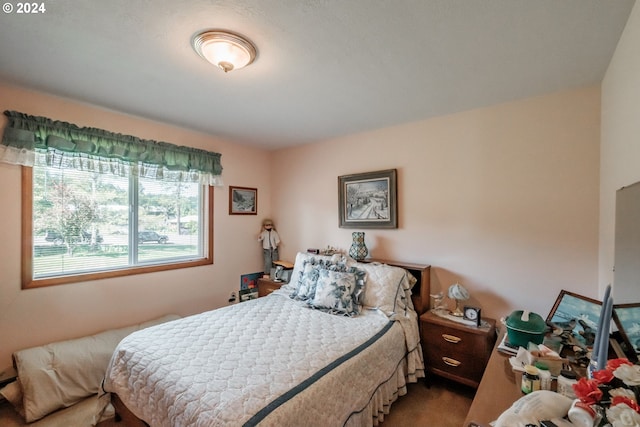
point(325, 68)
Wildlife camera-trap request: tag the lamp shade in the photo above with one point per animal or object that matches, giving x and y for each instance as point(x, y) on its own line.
point(225, 50)
point(458, 292)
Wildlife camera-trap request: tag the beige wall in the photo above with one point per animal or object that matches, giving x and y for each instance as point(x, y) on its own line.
point(502, 199)
point(620, 146)
point(37, 316)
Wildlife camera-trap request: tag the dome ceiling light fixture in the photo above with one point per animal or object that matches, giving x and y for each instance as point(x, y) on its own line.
point(224, 49)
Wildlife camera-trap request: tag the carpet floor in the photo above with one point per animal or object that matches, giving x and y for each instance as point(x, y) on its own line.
point(435, 403)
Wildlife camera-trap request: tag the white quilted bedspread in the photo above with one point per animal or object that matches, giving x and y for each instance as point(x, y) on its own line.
point(268, 361)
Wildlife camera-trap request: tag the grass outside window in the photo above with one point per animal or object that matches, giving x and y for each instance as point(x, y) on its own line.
point(80, 225)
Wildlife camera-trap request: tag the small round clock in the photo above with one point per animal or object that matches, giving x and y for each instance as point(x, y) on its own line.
point(472, 314)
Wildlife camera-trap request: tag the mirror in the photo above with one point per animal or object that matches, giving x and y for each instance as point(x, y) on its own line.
point(626, 278)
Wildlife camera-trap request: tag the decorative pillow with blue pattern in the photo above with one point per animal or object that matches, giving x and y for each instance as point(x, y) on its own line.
point(337, 292)
point(307, 283)
point(306, 288)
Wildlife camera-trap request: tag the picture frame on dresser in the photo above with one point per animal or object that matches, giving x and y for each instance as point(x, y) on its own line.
point(627, 320)
point(368, 200)
point(577, 313)
point(250, 280)
point(243, 201)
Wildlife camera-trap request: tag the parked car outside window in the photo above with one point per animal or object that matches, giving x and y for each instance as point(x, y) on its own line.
point(152, 236)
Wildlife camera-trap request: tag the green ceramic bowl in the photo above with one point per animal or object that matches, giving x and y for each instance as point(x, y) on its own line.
point(524, 326)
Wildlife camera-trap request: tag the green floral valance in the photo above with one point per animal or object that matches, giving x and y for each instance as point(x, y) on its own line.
point(30, 140)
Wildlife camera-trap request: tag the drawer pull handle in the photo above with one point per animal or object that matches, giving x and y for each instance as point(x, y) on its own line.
point(451, 362)
point(451, 338)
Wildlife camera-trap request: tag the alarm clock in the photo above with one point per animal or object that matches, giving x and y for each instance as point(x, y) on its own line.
point(472, 314)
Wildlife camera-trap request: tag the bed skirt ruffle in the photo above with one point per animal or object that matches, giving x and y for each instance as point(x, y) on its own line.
point(410, 369)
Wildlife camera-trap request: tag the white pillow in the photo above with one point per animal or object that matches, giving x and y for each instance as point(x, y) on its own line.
point(388, 288)
point(13, 393)
point(60, 374)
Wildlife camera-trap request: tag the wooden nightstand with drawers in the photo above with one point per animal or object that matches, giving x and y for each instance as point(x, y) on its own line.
point(454, 350)
point(266, 286)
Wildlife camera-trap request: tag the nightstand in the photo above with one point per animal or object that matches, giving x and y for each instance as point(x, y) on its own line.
point(454, 350)
point(266, 286)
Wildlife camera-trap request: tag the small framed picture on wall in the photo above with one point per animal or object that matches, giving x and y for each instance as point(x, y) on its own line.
point(243, 201)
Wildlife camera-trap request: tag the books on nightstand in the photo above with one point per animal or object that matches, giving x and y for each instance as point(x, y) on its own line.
point(506, 347)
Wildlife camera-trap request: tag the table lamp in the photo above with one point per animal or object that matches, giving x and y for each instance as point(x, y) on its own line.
point(458, 293)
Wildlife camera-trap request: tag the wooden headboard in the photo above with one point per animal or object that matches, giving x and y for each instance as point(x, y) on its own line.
point(422, 288)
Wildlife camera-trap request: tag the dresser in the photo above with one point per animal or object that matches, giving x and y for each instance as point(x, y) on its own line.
point(454, 350)
point(499, 388)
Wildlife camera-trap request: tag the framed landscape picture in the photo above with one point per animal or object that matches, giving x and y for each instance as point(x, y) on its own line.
point(243, 201)
point(577, 313)
point(627, 319)
point(368, 200)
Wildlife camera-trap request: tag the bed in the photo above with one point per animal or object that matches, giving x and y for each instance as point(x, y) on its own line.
point(336, 346)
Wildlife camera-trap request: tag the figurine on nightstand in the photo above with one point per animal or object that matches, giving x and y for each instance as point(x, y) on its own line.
point(270, 241)
point(438, 306)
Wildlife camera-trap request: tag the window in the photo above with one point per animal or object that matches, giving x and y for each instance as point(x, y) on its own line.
point(87, 225)
point(99, 204)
